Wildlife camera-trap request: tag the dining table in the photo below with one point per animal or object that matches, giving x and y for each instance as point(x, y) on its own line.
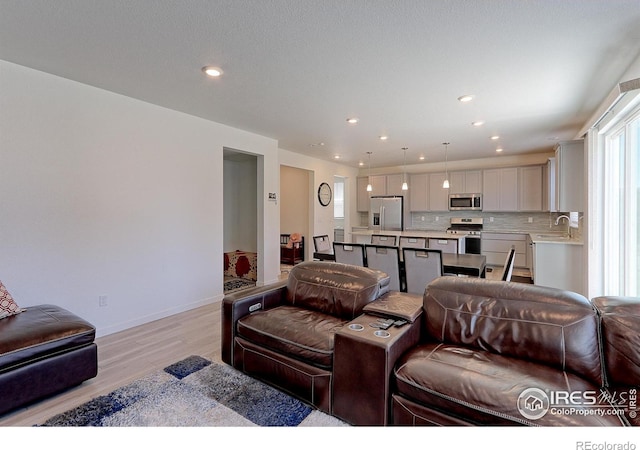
point(465, 264)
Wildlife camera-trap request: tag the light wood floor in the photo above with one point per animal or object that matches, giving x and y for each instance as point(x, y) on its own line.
point(131, 354)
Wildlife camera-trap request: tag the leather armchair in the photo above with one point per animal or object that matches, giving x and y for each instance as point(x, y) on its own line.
point(284, 334)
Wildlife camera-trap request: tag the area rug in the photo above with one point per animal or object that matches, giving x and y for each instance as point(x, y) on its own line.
point(194, 392)
point(237, 284)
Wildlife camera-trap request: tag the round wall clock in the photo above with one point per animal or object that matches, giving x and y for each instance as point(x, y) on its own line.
point(324, 194)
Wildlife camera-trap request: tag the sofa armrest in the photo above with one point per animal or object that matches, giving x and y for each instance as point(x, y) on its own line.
point(239, 304)
point(398, 305)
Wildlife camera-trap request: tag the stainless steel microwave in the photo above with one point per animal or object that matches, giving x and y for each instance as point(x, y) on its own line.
point(465, 202)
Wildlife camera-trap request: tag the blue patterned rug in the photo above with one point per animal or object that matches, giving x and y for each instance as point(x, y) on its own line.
point(194, 392)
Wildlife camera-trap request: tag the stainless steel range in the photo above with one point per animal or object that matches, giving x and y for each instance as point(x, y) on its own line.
point(471, 228)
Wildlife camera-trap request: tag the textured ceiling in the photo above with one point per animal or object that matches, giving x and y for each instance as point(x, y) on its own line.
point(294, 70)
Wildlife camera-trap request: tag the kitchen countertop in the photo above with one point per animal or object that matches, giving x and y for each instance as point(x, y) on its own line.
point(553, 238)
point(537, 237)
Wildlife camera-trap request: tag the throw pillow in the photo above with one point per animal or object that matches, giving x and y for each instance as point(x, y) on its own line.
point(8, 306)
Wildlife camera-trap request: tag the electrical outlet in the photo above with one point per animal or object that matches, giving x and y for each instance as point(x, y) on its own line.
point(102, 301)
point(530, 220)
point(437, 218)
point(490, 219)
point(422, 218)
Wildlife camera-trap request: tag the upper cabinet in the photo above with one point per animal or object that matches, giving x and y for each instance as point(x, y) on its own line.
point(394, 184)
point(419, 192)
point(569, 176)
point(426, 192)
point(362, 199)
point(530, 188)
point(500, 189)
point(465, 182)
point(438, 196)
point(380, 185)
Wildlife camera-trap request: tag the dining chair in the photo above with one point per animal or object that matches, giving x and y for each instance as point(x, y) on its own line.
point(421, 267)
point(413, 242)
point(387, 259)
point(384, 239)
point(323, 248)
point(507, 271)
point(349, 253)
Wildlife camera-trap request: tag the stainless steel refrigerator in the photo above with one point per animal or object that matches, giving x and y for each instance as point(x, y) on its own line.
point(386, 213)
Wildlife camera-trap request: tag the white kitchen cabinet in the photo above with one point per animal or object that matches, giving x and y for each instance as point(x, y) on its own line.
point(394, 184)
point(438, 196)
point(378, 185)
point(500, 189)
point(569, 176)
point(530, 189)
point(465, 182)
point(496, 246)
point(558, 265)
point(419, 192)
point(362, 199)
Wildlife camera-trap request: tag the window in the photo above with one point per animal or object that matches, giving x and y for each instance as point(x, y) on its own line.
point(338, 198)
point(615, 233)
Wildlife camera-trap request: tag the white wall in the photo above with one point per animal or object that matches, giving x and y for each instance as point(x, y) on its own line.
point(323, 171)
point(294, 202)
point(240, 209)
point(104, 195)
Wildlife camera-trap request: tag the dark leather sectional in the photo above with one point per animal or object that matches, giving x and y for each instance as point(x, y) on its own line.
point(468, 352)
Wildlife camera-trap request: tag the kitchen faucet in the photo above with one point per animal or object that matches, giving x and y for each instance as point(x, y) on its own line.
point(568, 223)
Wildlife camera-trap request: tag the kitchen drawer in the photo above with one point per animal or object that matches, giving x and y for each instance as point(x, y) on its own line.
point(503, 246)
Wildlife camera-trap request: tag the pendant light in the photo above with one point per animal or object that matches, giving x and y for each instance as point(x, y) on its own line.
point(405, 186)
point(445, 184)
point(369, 187)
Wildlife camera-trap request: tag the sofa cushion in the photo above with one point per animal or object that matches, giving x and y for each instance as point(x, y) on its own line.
point(303, 334)
point(38, 331)
point(8, 306)
point(535, 323)
point(336, 289)
point(620, 322)
point(484, 388)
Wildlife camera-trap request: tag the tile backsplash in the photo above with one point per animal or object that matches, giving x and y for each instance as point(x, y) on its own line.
point(493, 221)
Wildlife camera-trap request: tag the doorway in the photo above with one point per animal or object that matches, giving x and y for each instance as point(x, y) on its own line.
point(240, 220)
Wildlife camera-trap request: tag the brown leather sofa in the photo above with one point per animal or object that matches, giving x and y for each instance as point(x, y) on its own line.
point(43, 350)
point(620, 328)
point(284, 333)
point(496, 353)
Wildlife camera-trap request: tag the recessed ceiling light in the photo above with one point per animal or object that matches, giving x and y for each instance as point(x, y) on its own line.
point(495, 137)
point(478, 123)
point(465, 98)
point(361, 163)
point(211, 71)
point(336, 157)
point(421, 158)
point(352, 120)
point(384, 138)
point(499, 149)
